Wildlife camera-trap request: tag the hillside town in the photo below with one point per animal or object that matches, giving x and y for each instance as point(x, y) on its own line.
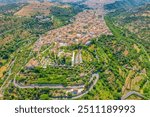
point(87, 25)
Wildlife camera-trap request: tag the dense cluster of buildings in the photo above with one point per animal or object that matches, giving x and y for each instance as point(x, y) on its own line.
point(87, 25)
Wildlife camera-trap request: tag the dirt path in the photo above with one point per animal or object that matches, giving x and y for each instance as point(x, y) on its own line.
point(9, 73)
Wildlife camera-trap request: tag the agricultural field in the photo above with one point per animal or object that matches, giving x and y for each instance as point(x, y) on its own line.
point(137, 23)
point(130, 49)
point(123, 71)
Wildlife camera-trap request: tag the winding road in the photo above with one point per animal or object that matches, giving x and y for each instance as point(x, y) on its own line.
point(132, 93)
point(59, 86)
point(55, 86)
point(90, 88)
point(51, 86)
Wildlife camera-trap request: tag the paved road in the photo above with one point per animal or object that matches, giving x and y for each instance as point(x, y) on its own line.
point(51, 86)
point(91, 87)
point(132, 93)
point(60, 86)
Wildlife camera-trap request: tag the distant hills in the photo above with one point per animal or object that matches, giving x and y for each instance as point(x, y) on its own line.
point(12, 1)
point(118, 3)
point(7, 1)
point(125, 4)
point(18, 1)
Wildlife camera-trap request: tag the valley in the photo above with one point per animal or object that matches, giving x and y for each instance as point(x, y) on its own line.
point(84, 49)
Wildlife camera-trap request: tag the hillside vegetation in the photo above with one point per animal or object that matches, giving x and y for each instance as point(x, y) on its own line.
point(128, 51)
point(113, 64)
point(126, 4)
